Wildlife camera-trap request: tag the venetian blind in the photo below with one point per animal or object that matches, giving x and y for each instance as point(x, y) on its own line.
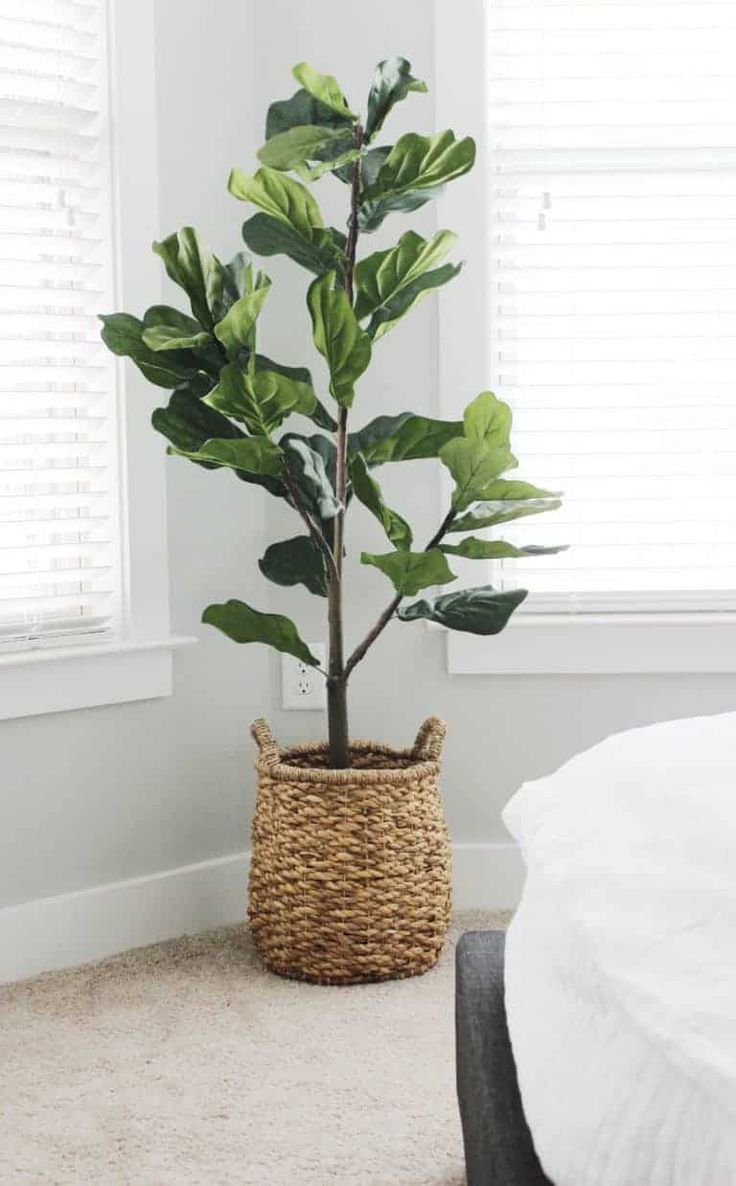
point(59, 571)
point(612, 137)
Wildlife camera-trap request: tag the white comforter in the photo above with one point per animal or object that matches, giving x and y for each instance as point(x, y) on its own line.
point(621, 962)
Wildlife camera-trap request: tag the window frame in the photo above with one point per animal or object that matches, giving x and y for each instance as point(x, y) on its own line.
point(136, 665)
point(539, 640)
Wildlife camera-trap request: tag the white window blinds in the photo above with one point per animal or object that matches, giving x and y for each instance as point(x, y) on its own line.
point(612, 143)
point(59, 569)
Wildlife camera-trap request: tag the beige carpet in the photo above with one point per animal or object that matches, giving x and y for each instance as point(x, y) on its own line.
point(187, 1063)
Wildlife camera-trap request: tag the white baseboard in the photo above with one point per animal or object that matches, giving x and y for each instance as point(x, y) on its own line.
point(58, 932)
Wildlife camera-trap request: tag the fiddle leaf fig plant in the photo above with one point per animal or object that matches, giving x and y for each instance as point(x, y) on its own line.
point(233, 408)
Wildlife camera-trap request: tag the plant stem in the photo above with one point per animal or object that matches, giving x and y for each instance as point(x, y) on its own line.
point(337, 708)
point(393, 605)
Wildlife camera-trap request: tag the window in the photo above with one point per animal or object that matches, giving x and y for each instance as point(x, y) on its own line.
point(612, 202)
point(60, 574)
point(599, 299)
point(83, 550)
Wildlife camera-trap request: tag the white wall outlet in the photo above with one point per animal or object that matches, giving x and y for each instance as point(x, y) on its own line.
point(304, 687)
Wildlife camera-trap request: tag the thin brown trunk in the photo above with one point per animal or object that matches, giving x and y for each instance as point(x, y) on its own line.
point(337, 706)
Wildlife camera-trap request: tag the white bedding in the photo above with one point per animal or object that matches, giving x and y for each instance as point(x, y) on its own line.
point(621, 961)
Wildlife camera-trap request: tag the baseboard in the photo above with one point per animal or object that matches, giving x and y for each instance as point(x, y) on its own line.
point(57, 932)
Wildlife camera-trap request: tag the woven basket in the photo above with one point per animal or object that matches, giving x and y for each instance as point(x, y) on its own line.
point(350, 869)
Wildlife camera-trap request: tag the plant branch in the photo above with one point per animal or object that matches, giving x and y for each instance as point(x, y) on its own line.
point(311, 526)
point(364, 646)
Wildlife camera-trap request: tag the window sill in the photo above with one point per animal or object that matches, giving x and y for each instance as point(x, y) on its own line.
point(599, 644)
point(60, 679)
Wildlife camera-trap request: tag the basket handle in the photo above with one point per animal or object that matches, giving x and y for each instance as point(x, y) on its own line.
point(428, 745)
point(261, 733)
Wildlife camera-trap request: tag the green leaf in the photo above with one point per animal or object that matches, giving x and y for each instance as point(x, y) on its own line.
point(267, 235)
point(331, 164)
point(488, 419)
point(393, 81)
point(323, 87)
point(504, 501)
point(308, 477)
point(422, 163)
point(338, 337)
point(296, 561)
point(380, 277)
point(188, 423)
point(413, 172)
point(242, 623)
point(497, 549)
point(192, 266)
point(389, 282)
point(368, 492)
point(252, 455)
point(473, 464)
point(123, 335)
point(300, 110)
point(299, 144)
point(405, 437)
point(321, 445)
point(281, 197)
point(261, 401)
point(474, 611)
point(235, 331)
point(411, 571)
point(319, 414)
point(170, 337)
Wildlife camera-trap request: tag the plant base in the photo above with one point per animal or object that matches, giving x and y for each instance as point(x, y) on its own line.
point(350, 869)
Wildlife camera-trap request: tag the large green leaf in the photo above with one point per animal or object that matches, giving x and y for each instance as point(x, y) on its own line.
point(488, 419)
point(411, 571)
point(323, 446)
point(380, 277)
point(251, 455)
point(389, 282)
point(296, 561)
point(319, 413)
point(393, 81)
point(497, 549)
point(333, 162)
point(169, 329)
point(413, 172)
point(473, 462)
point(368, 492)
point(420, 163)
point(261, 401)
point(405, 437)
point(323, 87)
point(281, 197)
point(236, 329)
point(504, 501)
point(188, 423)
point(308, 477)
point(299, 144)
point(320, 253)
point(300, 110)
point(123, 335)
point(338, 337)
point(191, 265)
point(474, 611)
point(242, 623)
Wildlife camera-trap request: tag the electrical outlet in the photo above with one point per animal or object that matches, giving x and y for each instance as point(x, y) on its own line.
point(302, 686)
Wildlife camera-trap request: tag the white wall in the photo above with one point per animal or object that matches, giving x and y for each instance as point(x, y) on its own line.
point(110, 793)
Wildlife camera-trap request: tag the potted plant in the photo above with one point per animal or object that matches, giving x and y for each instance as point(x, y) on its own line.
point(350, 876)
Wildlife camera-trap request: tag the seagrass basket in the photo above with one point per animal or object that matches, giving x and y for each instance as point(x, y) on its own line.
point(350, 869)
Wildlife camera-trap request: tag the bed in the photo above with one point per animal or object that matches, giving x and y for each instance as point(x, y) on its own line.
point(620, 964)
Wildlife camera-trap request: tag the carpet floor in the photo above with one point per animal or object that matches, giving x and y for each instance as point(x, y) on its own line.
point(186, 1062)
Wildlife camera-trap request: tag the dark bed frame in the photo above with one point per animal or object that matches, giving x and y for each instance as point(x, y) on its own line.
point(498, 1144)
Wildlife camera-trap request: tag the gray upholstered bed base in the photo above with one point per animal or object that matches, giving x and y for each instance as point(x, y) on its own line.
point(498, 1145)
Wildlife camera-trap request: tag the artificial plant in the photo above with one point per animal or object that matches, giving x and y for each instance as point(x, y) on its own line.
point(229, 402)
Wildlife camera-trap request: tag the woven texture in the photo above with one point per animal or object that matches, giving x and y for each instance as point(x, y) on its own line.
point(350, 869)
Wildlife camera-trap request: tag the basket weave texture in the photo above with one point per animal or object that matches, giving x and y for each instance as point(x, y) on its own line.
point(350, 869)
